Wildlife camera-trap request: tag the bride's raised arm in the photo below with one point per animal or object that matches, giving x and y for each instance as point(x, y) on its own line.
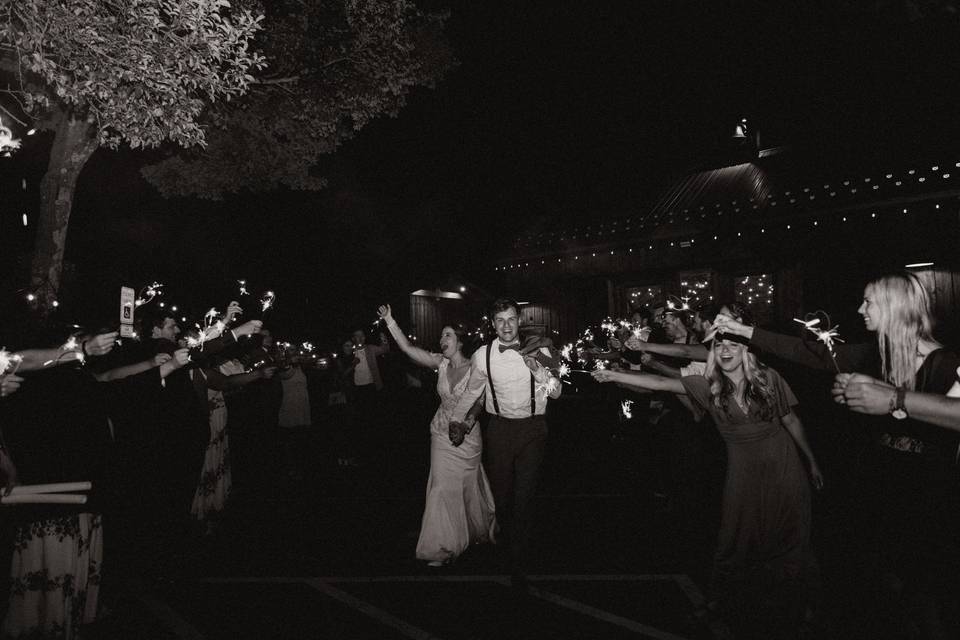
point(421, 356)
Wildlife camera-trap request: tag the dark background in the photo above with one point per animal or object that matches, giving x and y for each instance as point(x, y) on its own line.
point(557, 112)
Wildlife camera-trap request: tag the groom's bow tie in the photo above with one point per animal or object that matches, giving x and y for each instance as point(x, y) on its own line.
point(510, 347)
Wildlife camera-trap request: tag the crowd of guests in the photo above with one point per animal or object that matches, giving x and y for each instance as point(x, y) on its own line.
point(165, 428)
point(168, 426)
point(901, 517)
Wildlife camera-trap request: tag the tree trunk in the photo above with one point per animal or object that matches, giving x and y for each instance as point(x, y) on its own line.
point(73, 145)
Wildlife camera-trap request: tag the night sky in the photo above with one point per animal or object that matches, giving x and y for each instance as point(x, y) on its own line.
point(558, 111)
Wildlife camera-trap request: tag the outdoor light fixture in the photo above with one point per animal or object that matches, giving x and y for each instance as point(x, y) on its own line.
point(917, 265)
point(740, 131)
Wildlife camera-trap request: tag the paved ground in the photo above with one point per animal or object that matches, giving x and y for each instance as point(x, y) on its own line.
point(330, 555)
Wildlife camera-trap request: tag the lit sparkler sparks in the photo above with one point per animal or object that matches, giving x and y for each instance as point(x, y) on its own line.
point(243, 287)
point(826, 336)
point(69, 347)
point(7, 142)
point(267, 300)
point(626, 409)
point(7, 359)
point(600, 365)
point(148, 293)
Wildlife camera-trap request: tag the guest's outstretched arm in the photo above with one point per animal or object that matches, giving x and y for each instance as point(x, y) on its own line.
point(809, 353)
point(689, 351)
point(421, 356)
point(642, 380)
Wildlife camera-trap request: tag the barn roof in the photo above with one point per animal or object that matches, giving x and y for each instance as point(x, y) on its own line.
point(755, 195)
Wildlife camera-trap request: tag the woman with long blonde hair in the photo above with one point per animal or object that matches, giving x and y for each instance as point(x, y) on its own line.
point(763, 548)
point(907, 488)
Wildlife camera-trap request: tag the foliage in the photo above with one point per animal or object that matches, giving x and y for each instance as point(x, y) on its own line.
point(142, 71)
point(334, 66)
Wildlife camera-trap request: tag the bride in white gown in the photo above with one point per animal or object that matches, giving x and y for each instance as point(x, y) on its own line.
point(459, 508)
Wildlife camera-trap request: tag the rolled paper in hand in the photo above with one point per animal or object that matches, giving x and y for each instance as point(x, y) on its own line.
point(56, 487)
point(44, 498)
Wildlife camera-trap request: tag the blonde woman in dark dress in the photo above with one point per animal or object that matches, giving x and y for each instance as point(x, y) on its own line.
point(763, 548)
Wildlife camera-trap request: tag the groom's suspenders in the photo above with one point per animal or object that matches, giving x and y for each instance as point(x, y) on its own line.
point(493, 391)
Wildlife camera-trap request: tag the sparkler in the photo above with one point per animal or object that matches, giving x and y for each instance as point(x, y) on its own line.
point(678, 304)
point(625, 409)
point(213, 326)
point(243, 287)
point(267, 300)
point(7, 142)
point(148, 293)
point(7, 359)
point(826, 336)
point(70, 347)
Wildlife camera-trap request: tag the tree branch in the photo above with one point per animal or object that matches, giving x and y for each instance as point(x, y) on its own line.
point(287, 80)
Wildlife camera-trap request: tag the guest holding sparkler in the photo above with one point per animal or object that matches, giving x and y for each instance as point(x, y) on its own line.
point(366, 387)
point(215, 483)
point(9, 384)
point(61, 430)
point(864, 394)
point(909, 487)
point(764, 543)
point(459, 504)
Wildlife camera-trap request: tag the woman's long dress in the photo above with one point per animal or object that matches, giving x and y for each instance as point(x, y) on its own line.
point(764, 538)
point(459, 508)
point(215, 482)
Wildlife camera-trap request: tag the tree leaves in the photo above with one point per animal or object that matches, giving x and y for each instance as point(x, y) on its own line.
point(142, 70)
point(333, 67)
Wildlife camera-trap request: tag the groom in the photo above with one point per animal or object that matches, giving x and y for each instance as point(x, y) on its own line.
point(517, 387)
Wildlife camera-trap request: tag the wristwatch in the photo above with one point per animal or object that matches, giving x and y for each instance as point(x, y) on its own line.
point(897, 409)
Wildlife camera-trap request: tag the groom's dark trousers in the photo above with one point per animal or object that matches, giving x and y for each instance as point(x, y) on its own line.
point(514, 449)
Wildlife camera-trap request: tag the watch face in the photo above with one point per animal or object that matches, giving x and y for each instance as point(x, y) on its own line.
point(899, 414)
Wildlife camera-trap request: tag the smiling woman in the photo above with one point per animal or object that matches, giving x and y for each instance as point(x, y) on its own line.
point(459, 506)
point(765, 523)
point(908, 487)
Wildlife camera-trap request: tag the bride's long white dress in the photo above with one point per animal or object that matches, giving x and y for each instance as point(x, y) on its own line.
point(459, 507)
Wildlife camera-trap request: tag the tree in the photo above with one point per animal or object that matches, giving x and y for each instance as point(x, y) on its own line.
point(334, 66)
point(103, 72)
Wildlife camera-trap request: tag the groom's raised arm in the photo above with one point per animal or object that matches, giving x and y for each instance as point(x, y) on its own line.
point(475, 388)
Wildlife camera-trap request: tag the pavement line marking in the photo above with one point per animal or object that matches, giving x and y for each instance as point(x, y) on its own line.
point(688, 587)
point(254, 579)
point(419, 498)
point(170, 618)
point(690, 590)
point(600, 614)
point(717, 627)
point(381, 616)
point(639, 577)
